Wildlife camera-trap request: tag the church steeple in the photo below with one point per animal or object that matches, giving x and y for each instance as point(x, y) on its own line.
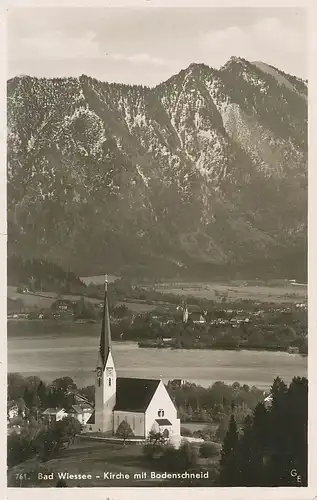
point(105, 336)
point(106, 379)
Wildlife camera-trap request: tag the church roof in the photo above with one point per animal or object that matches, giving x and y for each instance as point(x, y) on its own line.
point(105, 336)
point(163, 421)
point(134, 394)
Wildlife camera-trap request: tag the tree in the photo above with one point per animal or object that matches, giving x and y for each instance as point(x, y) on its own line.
point(69, 427)
point(84, 310)
point(272, 443)
point(121, 312)
point(42, 393)
point(89, 392)
point(54, 438)
point(228, 461)
point(19, 449)
point(245, 464)
point(208, 450)
point(16, 386)
point(222, 428)
point(124, 431)
point(64, 383)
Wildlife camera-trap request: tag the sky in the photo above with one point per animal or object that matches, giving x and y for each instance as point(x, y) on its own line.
point(147, 45)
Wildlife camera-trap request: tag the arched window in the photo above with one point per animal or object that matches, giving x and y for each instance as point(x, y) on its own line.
point(160, 413)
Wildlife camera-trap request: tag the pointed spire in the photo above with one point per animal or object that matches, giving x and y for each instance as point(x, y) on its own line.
point(105, 337)
point(185, 312)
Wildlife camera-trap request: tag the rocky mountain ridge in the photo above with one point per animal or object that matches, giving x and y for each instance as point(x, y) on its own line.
point(208, 170)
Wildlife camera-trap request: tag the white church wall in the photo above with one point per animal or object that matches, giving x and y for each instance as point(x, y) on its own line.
point(161, 402)
point(134, 419)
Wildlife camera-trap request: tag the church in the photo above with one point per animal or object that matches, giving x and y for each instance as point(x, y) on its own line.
point(143, 403)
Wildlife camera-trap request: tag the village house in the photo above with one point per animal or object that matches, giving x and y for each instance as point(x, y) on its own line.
point(14, 410)
point(79, 398)
point(197, 317)
point(53, 414)
point(82, 412)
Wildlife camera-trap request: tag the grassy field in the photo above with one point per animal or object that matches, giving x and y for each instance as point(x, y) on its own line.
point(137, 307)
point(214, 291)
point(44, 300)
point(98, 280)
point(89, 457)
point(199, 426)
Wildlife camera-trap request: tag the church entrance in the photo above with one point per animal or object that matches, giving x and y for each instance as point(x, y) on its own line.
point(166, 433)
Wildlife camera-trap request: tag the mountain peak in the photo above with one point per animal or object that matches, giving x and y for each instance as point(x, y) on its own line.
point(233, 61)
point(207, 169)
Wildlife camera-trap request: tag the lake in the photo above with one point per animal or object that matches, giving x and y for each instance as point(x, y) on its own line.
point(51, 350)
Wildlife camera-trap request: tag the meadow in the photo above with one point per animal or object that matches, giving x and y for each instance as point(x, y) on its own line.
point(284, 292)
point(44, 300)
point(96, 458)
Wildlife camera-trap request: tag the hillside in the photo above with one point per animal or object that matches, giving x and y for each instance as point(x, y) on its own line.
point(205, 174)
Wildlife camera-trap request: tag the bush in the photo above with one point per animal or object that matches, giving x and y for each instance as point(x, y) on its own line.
point(19, 449)
point(208, 450)
point(156, 443)
point(124, 431)
point(185, 458)
point(188, 456)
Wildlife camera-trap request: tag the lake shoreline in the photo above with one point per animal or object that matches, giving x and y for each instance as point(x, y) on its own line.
point(141, 344)
point(55, 350)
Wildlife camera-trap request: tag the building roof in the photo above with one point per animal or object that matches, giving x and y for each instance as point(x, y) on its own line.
point(81, 408)
point(163, 421)
point(134, 394)
point(105, 336)
point(52, 411)
point(91, 419)
point(197, 314)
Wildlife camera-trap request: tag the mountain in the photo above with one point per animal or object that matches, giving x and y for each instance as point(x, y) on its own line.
point(205, 173)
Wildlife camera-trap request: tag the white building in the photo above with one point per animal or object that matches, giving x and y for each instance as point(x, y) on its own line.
point(54, 414)
point(14, 410)
point(82, 412)
point(143, 403)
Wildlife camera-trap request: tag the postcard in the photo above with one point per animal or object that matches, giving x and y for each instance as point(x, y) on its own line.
point(157, 220)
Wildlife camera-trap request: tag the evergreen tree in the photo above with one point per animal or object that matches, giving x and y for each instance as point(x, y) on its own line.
point(245, 464)
point(228, 461)
point(273, 441)
point(124, 431)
